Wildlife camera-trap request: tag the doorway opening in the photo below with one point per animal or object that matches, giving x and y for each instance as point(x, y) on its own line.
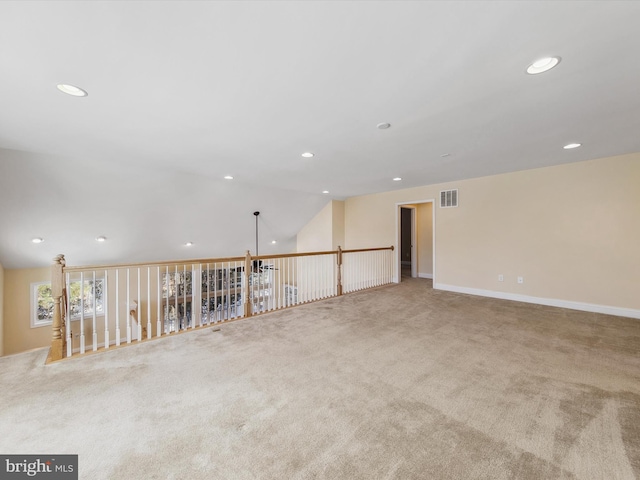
point(415, 237)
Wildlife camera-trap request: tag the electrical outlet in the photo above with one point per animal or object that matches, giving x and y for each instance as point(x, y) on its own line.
point(520, 279)
point(501, 278)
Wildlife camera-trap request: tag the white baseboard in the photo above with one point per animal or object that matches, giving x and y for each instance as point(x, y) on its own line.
point(551, 302)
point(425, 275)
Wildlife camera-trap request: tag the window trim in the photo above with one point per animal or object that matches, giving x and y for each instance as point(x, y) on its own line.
point(33, 317)
point(77, 317)
point(33, 305)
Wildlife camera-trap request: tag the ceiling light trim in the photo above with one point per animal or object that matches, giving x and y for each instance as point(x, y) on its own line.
point(542, 65)
point(72, 90)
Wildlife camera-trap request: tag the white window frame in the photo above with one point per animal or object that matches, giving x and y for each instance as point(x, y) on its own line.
point(35, 322)
point(89, 314)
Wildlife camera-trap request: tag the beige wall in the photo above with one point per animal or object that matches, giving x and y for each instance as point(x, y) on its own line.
point(316, 235)
point(572, 231)
point(424, 220)
point(337, 224)
point(325, 231)
point(1, 310)
point(18, 334)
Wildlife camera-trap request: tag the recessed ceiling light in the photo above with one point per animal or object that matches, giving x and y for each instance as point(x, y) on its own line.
point(101, 239)
point(188, 244)
point(37, 240)
point(307, 154)
point(72, 90)
point(228, 177)
point(397, 179)
point(274, 241)
point(445, 155)
point(542, 65)
point(325, 191)
point(572, 145)
point(383, 126)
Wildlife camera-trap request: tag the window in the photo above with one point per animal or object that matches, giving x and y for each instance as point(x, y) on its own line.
point(42, 302)
point(90, 295)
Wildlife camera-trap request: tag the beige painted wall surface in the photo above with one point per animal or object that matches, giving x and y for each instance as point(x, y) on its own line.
point(317, 236)
point(1, 310)
point(571, 231)
point(337, 207)
point(424, 214)
point(18, 334)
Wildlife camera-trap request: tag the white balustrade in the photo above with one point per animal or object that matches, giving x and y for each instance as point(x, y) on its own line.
point(184, 296)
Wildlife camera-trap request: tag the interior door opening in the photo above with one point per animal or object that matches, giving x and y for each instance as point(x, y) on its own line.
point(416, 240)
point(408, 264)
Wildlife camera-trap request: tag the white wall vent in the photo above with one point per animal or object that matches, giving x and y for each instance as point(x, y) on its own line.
point(449, 198)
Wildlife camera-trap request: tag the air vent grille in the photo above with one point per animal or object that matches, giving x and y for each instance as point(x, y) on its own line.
point(449, 198)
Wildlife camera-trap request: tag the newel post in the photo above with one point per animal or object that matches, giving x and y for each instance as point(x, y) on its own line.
point(339, 270)
point(248, 305)
point(57, 286)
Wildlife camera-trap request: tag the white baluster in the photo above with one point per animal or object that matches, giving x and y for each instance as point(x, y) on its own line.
point(159, 308)
point(215, 292)
point(94, 327)
point(196, 303)
point(117, 309)
point(69, 334)
point(195, 296)
point(185, 320)
point(105, 308)
point(138, 310)
point(208, 294)
point(148, 302)
point(175, 301)
point(81, 312)
point(128, 307)
point(314, 277)
point(322, 278)
point(279, 283)
point(236, 305)
point(167, 321)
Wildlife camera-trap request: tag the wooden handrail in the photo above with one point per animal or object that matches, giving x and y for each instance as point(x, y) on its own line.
point(313, 279)
point(155, 264)
point(328, 252)
point(201, 261)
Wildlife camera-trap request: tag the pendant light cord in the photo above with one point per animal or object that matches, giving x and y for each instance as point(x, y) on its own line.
point(256, 215)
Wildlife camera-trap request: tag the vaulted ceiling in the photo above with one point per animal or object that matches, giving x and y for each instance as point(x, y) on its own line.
point(181, 94)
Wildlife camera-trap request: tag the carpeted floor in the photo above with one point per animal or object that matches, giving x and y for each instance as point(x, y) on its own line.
point(401, 382)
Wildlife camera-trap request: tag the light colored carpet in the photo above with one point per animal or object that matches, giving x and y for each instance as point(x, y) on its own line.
point(400, 382)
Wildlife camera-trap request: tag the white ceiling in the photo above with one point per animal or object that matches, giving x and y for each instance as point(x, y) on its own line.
point(183, 93)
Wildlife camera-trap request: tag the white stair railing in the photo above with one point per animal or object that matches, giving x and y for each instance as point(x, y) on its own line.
point(114, 305)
